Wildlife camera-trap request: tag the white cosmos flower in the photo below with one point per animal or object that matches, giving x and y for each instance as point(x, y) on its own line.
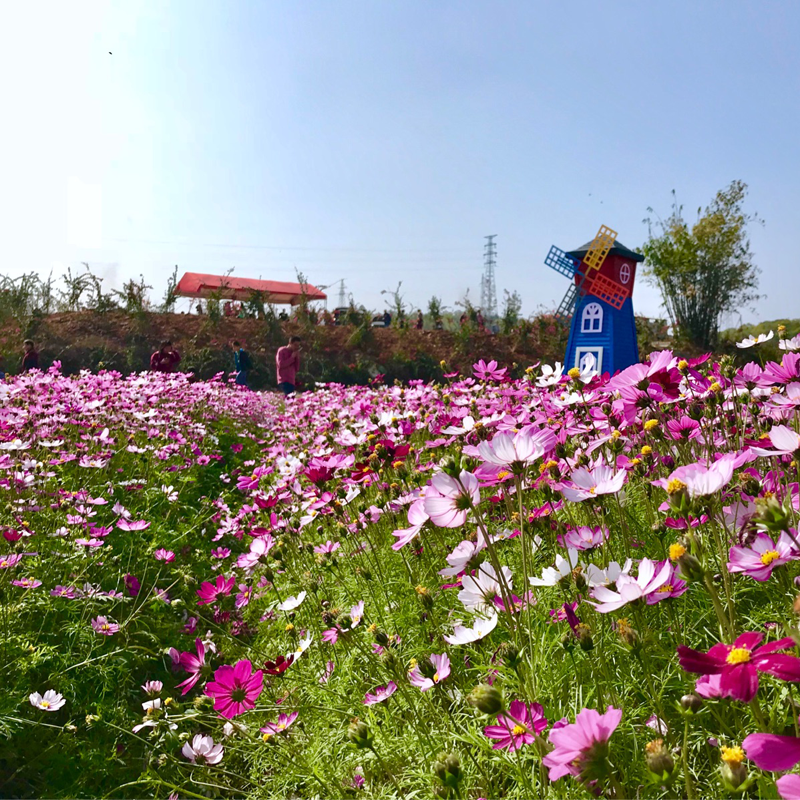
point(596, 576)
point(478, 591)
point(202, 750)
point(630, 588)
point(483, 627)
point(562, 569)
point(460, 557)
point(291, 603)
point(792, 344)
point(550, 375)
point(753, 340)
point(51, 701)
point(302, 645)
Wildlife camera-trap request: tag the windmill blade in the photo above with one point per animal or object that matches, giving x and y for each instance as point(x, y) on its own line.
point(599, 248)
point(611, 292)
point(567, 304)
point(558, 260)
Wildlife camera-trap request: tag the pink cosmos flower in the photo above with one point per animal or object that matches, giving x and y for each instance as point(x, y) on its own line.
point(202, 750)
point(630, 588)
point(517, 450)
point(10, 560)
point(441, 665)
point(137, 525)
point(576, 745)
point(220, 552)
point(152, 688)
point(27, 583)
point(708, 686)
point(758, 560)
point(702, 480)
point(209, 592)
point(463, 553)
point(683, 429)
point(104, 626)
point(235, 689)
point(380, 694)
point(164, 555)
point(447, 500)
point(328, 547)
point(488, 372)
point(590, 483)
point(326, 675)
point(789, 785)
point(520, 725)
point(738, 664)
point(772, 752)
point(285, 721)
point(675, 585)
point(258, 549)
point(194, 665)
point(784, 441)
point(417, 517)
point(584, 537)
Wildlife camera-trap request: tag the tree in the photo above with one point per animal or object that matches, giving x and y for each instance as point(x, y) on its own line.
point(705, 270)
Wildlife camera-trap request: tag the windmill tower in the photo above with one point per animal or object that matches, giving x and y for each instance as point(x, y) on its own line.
point(488, 288)
point(601, 274)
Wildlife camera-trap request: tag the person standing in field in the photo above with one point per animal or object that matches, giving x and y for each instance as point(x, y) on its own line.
point(30, 358)
point(287, 363)
point(165, 359)
point(242, 362)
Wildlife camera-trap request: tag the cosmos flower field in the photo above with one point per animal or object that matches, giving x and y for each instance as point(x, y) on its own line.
point(568, 585)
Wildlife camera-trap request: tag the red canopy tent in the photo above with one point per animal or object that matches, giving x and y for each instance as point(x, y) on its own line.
point(196, 284)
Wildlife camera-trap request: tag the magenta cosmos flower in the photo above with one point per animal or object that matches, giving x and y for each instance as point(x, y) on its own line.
point(520, 725)
point(164, 555)
point(209, 592)
point(441, 665)
point(380, 694)
point(584, 537)
point(758, 560)
point(789, 786)
point(447, 500)
point(285, 721)
point(772, 752)
point(194, 665)
point(576, 746)
point(738, 664)
point(235, 689)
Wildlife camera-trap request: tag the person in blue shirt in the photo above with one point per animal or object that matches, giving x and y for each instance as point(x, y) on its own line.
point(241, 359)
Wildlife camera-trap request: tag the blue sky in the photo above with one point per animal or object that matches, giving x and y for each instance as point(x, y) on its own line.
point(381, 141)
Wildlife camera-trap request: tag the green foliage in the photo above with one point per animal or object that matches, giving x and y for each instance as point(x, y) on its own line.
point(704, 270)
point(170, 298)
point(512, 305)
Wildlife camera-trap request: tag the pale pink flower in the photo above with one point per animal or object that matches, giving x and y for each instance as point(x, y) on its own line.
point(630, 588)
point(447, 500)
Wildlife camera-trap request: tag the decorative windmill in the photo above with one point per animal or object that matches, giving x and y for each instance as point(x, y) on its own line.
point(602, 273)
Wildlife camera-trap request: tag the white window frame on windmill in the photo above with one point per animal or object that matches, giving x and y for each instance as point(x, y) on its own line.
point(625, 273)
point(592, 313)
point(596, 351)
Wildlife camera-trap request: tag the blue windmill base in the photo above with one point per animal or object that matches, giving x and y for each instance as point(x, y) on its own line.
point(607, 333)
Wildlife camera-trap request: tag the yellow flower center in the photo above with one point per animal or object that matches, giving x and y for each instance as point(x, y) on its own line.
point(105, 627)
point(715, 387)
point(738, 655)
point(436, 677)
point(289, 628)
point(412, 664)
point(615, 434)
point(44, 704)
point(676, 551)
point(266, 736)
point(769, 557)
point(502, 474)
point(574, 373)
point(731, 755)
point(646, 450)
point(281, 726)
point(3, 563)
point(667, 587)
point(675, 486)
point(519, 730)
point(634, 462)
point(683, 364)
point(650, 424)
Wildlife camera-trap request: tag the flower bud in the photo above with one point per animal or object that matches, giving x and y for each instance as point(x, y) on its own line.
point(771, 515)
point(691, 702)
point(448, 769)
point(381, 638)
point(425, 597)
point(658, 759)
point(509, 655)
point(359, 734)
point(628, 635)
point(584, 636)
point(487, 699)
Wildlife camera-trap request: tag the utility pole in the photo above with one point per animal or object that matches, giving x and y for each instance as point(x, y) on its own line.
point(488, 288)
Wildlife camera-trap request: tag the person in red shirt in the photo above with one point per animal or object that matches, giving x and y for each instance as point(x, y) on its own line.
point(30, 358)
point(287, 363)
point(165, 359)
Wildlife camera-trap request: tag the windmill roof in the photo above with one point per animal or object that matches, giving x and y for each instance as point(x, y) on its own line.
point(618, 249)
